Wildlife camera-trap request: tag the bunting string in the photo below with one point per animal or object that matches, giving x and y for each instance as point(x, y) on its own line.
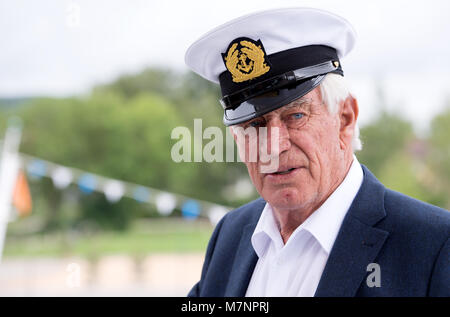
point(114, 189)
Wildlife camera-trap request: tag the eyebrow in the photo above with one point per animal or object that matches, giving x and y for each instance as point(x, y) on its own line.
point(301, 102)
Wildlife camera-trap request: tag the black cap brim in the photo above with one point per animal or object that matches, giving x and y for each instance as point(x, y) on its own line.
point(266, 103)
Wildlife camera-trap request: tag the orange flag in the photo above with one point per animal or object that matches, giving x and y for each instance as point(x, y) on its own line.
point(22, 196)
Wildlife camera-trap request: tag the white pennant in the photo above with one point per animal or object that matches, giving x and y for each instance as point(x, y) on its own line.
point(216, 213)
point(113, 190)
point(165, 203)
point(61, 177)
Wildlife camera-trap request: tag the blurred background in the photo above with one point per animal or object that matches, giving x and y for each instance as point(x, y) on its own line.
point(90, 93)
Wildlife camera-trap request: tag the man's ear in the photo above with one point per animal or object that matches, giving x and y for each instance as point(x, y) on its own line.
point(348, 114)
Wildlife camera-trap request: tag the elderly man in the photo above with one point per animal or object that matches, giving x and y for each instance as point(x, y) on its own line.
point(325, 226)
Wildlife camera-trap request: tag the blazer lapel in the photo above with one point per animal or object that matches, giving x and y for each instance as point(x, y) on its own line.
point(358, 241)
point(244, 260)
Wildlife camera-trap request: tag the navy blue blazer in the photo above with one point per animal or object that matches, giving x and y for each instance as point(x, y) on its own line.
point(407, 238)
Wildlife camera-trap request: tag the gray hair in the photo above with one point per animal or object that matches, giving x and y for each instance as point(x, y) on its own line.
point(333, 90)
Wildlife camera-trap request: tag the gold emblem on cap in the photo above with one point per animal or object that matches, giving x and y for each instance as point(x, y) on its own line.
point(246, 60)
point(336, 64)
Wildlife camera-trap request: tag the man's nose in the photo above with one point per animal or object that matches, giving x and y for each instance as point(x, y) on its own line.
point(278, 138)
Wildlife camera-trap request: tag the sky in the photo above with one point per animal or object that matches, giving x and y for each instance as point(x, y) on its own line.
point(64, 48)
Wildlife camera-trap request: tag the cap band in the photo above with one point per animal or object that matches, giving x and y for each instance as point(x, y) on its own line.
point(288, 79)
point(280, 63)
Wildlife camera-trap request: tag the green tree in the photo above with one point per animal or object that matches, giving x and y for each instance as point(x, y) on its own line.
point(438, 156)
point(193, 97)
point(128, 139)
point(123, 130)
point(382, 139)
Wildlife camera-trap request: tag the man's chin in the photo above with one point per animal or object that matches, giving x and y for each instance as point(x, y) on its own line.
point(286, 198)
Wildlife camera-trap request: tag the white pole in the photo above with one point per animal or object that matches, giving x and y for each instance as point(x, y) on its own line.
point(9, 169)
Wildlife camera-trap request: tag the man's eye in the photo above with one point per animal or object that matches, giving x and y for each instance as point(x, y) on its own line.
point(297, 115)
point(255, 123)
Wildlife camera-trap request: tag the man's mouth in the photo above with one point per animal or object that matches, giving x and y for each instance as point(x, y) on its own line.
point(285, 172)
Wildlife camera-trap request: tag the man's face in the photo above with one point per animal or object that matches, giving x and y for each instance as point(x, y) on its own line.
point(310, 154)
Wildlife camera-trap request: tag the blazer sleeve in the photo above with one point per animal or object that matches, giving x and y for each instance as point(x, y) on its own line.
point(196, 289)
point(440, 279)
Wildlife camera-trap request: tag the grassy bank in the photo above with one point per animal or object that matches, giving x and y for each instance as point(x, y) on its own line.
point(149, 236)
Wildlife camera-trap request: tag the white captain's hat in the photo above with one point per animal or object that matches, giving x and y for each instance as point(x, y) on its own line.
point(266, 60)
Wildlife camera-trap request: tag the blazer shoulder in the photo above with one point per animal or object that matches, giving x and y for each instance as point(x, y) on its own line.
point(222, 248)
point(417, 216)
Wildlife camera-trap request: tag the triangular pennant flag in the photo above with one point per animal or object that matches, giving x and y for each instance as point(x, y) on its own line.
point(62, 177)
point(216, 213)
point(165, 203)
point(114, 190)
point(22, 196)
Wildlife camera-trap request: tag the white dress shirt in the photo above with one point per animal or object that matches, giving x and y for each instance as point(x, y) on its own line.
point(295, 268)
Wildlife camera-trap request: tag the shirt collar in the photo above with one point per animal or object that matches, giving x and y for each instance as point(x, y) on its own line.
point(266, 231)
point(323, 224)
